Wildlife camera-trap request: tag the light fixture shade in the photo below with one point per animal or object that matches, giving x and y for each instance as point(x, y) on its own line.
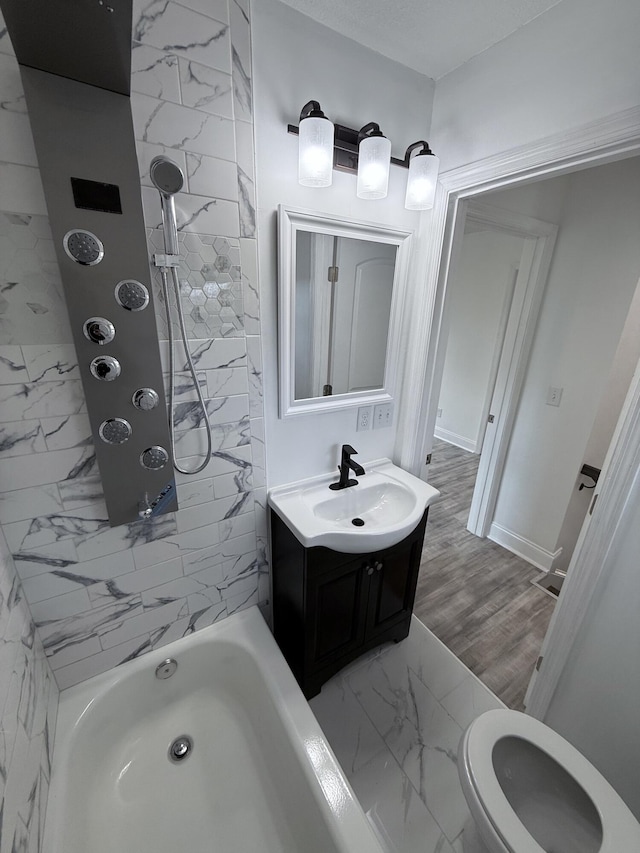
point(374, 157)
point(421, 183)
point(315, 152)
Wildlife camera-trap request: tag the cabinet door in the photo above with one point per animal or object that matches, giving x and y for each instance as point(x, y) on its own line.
point(336, 610)
point(393, 587)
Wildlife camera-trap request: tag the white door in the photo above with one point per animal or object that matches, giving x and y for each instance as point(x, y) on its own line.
point(361, 309)
point(499, 418)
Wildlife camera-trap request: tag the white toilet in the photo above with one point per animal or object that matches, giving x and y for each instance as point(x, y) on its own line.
point(530, 791)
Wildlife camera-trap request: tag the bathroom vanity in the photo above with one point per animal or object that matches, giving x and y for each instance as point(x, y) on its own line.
point(330, 607)
point(345, 566)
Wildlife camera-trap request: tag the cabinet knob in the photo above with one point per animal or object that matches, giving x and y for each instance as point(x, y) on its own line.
point(378, 567)
point(369, 570)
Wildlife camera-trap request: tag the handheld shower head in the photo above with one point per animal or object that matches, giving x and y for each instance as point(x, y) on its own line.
point(167, 178)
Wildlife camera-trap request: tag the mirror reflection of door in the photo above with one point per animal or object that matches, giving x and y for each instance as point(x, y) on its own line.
point(343, 298)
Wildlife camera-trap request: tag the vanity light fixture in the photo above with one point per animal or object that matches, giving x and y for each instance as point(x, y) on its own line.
point(315, 149)
point(423, 176)
point(374, 159)
point(324, 146)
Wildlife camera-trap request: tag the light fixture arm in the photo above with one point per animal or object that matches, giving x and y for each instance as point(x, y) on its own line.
point(311, 109)
point(413, 147)
point(371, 129)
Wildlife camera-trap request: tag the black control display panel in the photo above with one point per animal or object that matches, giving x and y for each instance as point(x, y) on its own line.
point(94, 195)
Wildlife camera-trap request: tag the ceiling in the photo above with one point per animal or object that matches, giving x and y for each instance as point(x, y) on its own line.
point(430, 36)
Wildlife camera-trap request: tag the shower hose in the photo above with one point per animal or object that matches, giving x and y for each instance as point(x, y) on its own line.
point(172, 370)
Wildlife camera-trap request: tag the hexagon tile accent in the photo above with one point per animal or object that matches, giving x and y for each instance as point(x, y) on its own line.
point(210, 285)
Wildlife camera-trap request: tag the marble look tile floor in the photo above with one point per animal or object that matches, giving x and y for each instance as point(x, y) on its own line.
point(394, 719)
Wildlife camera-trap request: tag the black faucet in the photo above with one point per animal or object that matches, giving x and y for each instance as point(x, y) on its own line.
point(346, 465)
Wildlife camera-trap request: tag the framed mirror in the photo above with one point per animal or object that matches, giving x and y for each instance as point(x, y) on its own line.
point(341, 288)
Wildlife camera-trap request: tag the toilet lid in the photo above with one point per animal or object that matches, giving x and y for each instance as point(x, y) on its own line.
point(620, 829)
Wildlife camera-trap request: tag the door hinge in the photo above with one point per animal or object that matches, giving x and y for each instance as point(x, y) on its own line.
point(427, 461)
point(491, 418)
point(539, 663)
point(332, 274)
point(593, 504)
point(327, 390)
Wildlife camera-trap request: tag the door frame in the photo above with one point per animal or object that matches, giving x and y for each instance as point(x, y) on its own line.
point(612, 138)
point(515, 348)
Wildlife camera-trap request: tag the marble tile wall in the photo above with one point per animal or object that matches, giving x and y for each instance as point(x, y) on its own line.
point(28, 709)
point(100, 596)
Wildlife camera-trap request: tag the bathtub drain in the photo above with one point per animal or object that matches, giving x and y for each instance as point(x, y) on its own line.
point(180, 748)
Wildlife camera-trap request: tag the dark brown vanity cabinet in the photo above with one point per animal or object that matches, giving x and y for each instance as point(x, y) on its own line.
point(329, 607)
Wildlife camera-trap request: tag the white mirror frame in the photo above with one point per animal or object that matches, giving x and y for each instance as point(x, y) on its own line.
point(290, 221)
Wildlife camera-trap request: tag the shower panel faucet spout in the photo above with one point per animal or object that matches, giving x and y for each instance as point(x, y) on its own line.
point(148, 509)
point(347, 464)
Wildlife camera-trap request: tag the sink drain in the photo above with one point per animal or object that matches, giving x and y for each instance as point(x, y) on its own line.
point(180, 749)
point(357, 522)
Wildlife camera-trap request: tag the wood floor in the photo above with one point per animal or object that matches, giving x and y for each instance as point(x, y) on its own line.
point(475, 595)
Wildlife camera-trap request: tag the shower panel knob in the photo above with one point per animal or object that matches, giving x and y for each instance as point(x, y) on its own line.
point(154, 458)
point(115, 431)
point(98, 330)
point(132, 295)
point(145, 399)
point(83, 247)
point(105, 367)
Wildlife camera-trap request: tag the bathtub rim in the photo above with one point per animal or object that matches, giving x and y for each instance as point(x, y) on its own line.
point(343, 815)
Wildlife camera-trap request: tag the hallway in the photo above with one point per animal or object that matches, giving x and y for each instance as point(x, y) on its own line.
point(475, 595)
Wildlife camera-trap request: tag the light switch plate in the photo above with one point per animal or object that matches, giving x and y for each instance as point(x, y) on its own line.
point(382, 415)
point(554, 395)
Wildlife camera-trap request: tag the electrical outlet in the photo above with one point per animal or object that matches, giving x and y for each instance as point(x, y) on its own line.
point(554, 395)
point(439, 413)
point(382, 415)
point(365, 416)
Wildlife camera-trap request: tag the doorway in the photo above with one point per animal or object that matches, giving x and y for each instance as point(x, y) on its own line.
point(575, 344)
point(494, 296)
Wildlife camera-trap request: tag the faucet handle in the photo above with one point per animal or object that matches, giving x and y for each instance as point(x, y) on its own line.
point(347, 450)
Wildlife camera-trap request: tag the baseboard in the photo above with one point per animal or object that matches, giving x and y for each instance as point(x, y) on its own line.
point(529, 551)
point(454, 438)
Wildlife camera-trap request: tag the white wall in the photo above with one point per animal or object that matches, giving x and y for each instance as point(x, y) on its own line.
point(615, 390)
point(598, 696)
point(295, 60)
point(303, 382)
point(591, 283)
point(624, 365)
point(540, 199)
point(575, 63)
point(484, 278)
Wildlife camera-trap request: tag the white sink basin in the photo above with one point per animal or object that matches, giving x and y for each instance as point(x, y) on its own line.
point(387, 499)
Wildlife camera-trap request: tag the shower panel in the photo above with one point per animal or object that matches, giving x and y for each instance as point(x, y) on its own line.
point(85, 144)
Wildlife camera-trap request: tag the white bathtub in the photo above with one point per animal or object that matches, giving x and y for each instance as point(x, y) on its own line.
point(260, 776)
